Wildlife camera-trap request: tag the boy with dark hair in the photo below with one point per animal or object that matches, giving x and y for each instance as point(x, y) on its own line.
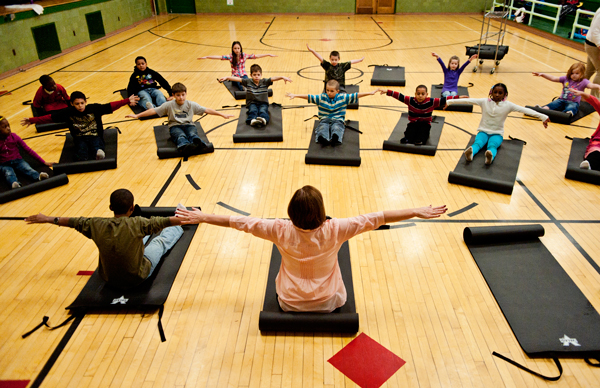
point(180, 114)
point(420, 110)
point(145, 82)
point(332, 111)
point(257, 95)
point(124, 262)
point(335, 69)
point(50, 96)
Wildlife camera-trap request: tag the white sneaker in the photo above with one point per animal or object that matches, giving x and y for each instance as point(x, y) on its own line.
point(44, 175)
point(489, 158)
point(469, 154)
point(254, 122)
point(262, 120)
point(16, 185)
point(570, 113)
point(149, 105)
point(100, 155)
point(585, 165)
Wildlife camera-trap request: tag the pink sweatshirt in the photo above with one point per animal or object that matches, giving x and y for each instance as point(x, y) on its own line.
point(9, 149)
point(595, 138)
point(309, 278)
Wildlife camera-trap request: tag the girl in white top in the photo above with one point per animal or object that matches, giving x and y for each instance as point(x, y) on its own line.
point(494, 111)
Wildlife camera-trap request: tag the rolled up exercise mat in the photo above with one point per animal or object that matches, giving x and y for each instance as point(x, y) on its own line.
point(68, 165)
point(345, 154)
point(429, 148)
point(342, 320)
point(272, 132)
point(500, 176)
point(167, 149)
point(562, 117)
point(575, 158)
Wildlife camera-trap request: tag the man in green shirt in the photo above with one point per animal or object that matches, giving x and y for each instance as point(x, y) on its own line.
point(124, 261)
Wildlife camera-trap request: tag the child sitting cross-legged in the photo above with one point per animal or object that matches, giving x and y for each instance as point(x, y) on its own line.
point(257, 95)
point(332, 111)
point(420, 109)
point(181, 119)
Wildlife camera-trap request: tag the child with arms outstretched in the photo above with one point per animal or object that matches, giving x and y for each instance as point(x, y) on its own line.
point(568, 102)
point(494, 111)
point(11, 160)
point(238, 61)
point(591, 157)
point(332, 111)
point(334, 69)
point(452, 73)
point(257, 95)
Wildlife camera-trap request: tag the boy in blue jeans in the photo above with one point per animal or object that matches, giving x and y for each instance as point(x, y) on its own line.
point(257, 95)
point(181, 119)
point(332, 111)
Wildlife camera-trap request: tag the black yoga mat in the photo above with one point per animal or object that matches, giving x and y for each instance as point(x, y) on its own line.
point(545, 309)
point(488, 51)
point(429, 148)
point(388, 76)
point(46, 127)
point(273, 131)
point(68, 165)
point(342, 320)
point(500, 176)
point(136, 109)
point(575, 158)
point(240, 94)
point(436, 92)
point(30, 187)
point(565, 118)
point(167, 149)
point(345, 154)
point(153, 292)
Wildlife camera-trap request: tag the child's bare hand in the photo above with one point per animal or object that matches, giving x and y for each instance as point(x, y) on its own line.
point(227, 116)
point(170, 98)
point(26, 122)
point(474, 56)
point(576, 92)
point(133, 100)
point(50, 164)
point(382, 91)
point(545, 122)
point(272, 55)
point(536, 74)
point(131, 116)
point(435, 55)
point(308, 47)
point(222, 79)
point(463, 97)
point(202, 58)
point(286, 79)
point(290, 95)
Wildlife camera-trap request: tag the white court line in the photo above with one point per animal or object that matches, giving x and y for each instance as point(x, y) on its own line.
point(543, 63)
point(112, 63)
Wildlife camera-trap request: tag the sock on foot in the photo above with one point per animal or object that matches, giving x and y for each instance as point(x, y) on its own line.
point(585, 165)
point(16, 185)
point(489, 158)
point(469, 154)
point(100, 155)
point(43, 176)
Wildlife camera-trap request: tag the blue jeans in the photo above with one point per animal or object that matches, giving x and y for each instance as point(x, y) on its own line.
point(258, 109)
point(239, 85)
point(86, 146)
point(8, 170)
point(151, 95)
point(493, 142)
point(564, 106)
point(184, 134)
point(161, 245)
point(328, 127)
point(449, 93)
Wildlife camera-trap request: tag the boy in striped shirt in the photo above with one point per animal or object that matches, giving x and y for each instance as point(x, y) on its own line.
point(332, 111)
point(257, 95)
point(420, 109)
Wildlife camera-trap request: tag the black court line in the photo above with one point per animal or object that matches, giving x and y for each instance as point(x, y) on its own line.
point(61, 346)
point(220, 125)
point(12, 218)
point(57, 133)
point(396, 226)
point(89, 56)
point(192, 182)
point(233, 209)
point(457, 127)
point(464, 209)
point(166, 185)
point(560, 227)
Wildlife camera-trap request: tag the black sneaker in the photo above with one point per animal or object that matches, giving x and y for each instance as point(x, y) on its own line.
point(321, 140)
point(199, 143)
point(184, 149)
point(403, 140)
point(335, 140)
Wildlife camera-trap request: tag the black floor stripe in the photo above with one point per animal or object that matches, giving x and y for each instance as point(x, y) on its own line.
point(396, 226)
point(12, 218)
point(57, 133)
point(464, 209)
point(233, 209)
point(192, 182)
point(166, 185)
point(220, 125)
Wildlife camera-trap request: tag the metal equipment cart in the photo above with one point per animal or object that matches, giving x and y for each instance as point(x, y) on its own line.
point(492, 51)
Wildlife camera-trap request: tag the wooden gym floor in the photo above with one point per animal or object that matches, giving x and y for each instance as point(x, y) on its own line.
point(418, 291)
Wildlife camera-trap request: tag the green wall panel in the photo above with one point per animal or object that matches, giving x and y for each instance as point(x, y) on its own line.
point(430, 6)
point(276, 6)
point(17, 34)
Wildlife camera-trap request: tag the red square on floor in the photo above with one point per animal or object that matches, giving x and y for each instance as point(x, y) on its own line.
point(13, 383)
point(366, 362)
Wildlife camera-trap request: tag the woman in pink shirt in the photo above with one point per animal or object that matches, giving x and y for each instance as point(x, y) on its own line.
point(309, 278)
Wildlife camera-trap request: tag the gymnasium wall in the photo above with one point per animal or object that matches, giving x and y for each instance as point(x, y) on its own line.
point(17, 34)
point(432, 6)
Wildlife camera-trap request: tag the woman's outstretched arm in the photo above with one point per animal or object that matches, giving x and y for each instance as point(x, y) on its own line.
point(419, 212)
point(196, 216)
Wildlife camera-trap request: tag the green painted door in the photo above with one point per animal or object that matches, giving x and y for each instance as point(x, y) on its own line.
point(181, 6)
point(46, 40)
point(95, 25)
